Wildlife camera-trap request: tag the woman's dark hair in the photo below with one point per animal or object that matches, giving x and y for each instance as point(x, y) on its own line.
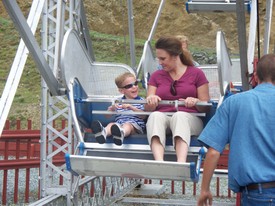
point(172, 46)
point(266, 68)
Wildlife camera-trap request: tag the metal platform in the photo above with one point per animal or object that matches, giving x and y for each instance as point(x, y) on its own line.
point(194, 6)
point(133, 161)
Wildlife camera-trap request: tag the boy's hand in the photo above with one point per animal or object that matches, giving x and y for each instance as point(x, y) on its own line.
point(112, 107)
point(127, 106)
point(123, 106)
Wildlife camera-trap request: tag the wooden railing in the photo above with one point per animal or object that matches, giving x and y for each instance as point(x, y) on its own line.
point(20, 151)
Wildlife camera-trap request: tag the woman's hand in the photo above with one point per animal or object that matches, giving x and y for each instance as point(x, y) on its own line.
point(153, 99)
point(152, 102)
point(190, 101)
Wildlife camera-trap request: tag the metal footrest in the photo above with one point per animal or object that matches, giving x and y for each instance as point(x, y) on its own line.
point(132, 168)
point(133, 161)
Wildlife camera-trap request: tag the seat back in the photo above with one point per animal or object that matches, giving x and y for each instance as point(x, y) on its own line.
point(89, 79)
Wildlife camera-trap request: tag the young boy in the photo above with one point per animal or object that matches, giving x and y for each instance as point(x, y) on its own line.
point(184, 43)
point(125, 124)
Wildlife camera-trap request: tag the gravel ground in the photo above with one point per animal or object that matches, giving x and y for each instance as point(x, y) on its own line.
point(165, 197)
point(164, 193)
point(34, 178)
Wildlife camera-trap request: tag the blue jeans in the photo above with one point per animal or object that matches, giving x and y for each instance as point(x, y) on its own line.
point(258, 197)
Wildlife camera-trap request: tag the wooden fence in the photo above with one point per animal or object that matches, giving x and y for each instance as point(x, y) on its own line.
point(20, 151)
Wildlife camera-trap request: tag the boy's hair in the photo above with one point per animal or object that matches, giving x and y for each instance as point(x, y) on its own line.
point(182, 38)
point(121, 78)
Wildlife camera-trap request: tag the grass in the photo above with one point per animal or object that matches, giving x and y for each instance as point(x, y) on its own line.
point(106, 45)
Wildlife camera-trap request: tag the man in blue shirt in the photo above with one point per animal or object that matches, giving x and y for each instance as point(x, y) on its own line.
point(245, 121)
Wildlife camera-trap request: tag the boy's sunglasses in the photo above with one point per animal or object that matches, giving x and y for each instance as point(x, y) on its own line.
point(173, 88)
point(128, 86)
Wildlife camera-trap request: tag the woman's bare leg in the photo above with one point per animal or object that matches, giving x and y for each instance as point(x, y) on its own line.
point(181, 149)
point(157, 148)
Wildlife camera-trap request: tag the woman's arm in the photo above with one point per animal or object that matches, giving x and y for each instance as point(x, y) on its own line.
point(203, 93)
point(203, 96)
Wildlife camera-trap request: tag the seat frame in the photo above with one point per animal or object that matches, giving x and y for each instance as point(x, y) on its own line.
point(88, 91)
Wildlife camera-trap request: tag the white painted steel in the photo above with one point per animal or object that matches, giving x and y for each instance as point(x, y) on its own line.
point(224, 63)
point(252, 37)
point(140, 113)
point(213, 6)
point(18, 65)
point(132, 168)
point(268, 20)
point(96, 78)
point(133, 147)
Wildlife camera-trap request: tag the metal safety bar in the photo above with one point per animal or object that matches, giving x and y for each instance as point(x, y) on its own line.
point(139, 113)
point(177, 103)
point(132, 101)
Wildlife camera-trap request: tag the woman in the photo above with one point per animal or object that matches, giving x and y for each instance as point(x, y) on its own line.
point(178, 80)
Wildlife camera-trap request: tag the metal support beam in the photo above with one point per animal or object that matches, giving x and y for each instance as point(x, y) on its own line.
point(268, 17)
point(252, 37)
point(242, 43)
point(59, 33)
point(18, 65)
point(30, 41)
point(85, 31)
point(131, 34)
point(57, 17)
point(154, 27)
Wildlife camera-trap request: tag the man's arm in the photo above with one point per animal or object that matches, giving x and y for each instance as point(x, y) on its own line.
point(210, 164)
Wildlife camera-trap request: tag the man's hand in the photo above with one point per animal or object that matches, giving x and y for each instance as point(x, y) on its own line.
point(205, 199)
point(210, 163)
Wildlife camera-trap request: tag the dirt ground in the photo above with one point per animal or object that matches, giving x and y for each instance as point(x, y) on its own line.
point(110, 16)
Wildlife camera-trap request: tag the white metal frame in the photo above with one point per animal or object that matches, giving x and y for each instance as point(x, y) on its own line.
point(54, 107)
point(18, 65)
